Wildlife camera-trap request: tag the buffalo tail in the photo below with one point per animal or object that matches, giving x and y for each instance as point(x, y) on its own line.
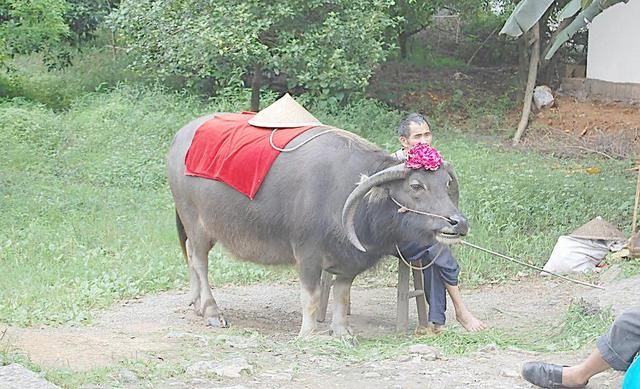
point(182, 237)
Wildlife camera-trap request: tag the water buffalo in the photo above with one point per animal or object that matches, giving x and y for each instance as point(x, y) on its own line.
point(331, 204)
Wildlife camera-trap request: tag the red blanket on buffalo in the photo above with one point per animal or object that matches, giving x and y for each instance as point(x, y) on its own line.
point(228, 149)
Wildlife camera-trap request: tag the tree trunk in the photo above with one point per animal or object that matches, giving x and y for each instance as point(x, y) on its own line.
point(113, 45)
point(523, 66)
point(531, 83)
point(256, 82)
point(403, 37)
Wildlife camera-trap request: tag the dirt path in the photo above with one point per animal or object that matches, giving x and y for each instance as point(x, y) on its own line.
point(265, 320)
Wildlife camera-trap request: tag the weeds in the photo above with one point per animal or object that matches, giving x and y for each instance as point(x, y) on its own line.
point(583, 323)
point(93, 71)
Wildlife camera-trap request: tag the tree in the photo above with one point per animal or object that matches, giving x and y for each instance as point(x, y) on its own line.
point(30, 26)
point(527, 16)
point(318, 45)
point(49, 26)
point(84, 16)
point(413, 16)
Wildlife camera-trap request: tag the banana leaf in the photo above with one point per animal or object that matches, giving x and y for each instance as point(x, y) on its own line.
point(580, 21)
point(526, 14)
point(570, 9)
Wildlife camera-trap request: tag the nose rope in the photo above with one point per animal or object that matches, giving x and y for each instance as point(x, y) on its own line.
point(529, 265)
point(404, 208)
point(410, 266)
point(407, 209)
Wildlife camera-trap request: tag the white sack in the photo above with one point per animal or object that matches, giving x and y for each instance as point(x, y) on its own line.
point(576, 255)
point(542, 97)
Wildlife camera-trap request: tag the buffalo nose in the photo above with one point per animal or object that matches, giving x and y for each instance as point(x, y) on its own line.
point(459, 223)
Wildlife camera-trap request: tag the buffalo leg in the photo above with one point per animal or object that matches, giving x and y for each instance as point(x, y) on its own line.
point(341, 299)
point(194, 281)
point(199, 261)
point(309, 296)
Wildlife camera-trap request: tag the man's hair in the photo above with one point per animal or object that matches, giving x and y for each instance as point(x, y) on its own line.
point(403, 129)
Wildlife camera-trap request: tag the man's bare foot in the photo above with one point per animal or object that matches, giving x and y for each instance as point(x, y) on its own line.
point(470, 322)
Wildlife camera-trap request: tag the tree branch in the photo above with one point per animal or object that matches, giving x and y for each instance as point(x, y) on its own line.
point(531, 83)
point(481, 45)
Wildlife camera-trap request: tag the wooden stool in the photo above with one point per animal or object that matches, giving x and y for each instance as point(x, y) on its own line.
point(404, 294)
point(402, 304)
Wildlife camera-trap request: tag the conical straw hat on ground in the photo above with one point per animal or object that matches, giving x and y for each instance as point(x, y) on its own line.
point(598, 228)
point(284, 113)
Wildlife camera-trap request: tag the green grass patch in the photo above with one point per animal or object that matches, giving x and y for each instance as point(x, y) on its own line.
point(449, 342)
point(424, 55)
point(583, 323)
point(87, 216)
point(631, 267)
point(518, 204)
point(95, 69)
point(9, 355)
point(88, 219)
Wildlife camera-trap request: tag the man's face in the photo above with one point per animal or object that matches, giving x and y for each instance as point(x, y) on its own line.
point(418, 133)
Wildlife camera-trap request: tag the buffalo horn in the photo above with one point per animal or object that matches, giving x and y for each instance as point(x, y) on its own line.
point(396, 172)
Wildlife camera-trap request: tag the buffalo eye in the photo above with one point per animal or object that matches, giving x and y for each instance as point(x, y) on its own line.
point(416, 186)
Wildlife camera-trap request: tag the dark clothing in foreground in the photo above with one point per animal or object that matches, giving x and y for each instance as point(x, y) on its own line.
point(444, 271)
point(622, 343)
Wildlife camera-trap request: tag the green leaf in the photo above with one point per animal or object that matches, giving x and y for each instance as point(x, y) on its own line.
point(570, 9)
point(524, 16)
point(587, 15)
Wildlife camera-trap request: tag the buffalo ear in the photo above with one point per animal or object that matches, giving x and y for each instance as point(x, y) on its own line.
point(377, 194)
point(454, 191)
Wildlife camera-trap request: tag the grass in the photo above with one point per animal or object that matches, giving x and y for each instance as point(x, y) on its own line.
point(88, 219)
point(424, 55)
point(519, 203)
point(631, 267)
point(390, 346)
point(582, 324)
point(94, 70)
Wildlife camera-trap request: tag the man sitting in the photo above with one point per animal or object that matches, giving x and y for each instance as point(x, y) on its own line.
point(442, 275)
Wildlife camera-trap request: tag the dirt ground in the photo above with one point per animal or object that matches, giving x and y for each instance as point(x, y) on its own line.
point(265, 320)
point(606, 129)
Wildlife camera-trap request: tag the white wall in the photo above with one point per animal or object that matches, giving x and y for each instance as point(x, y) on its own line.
point(614, 44)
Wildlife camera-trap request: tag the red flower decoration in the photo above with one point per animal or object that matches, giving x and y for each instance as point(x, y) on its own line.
point(425, 156)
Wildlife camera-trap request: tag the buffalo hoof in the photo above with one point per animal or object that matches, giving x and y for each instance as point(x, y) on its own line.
point(341, 331)
point(306, 333)
point(218, 322)
point(196, 307)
